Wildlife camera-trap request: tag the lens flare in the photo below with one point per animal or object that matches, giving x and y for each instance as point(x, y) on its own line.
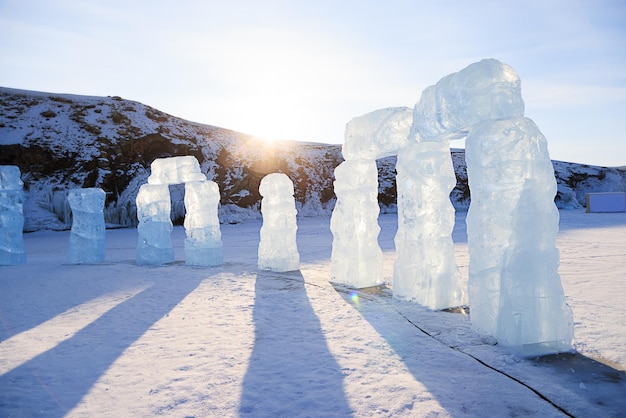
point(354, 297)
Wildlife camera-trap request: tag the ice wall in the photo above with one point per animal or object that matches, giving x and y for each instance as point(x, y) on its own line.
point(278, 249)
point(154, 245)
point(425, 270)
point(356, 258)
point(87, 236)
point(514, 287)
point(11, 216)
point(203, 245)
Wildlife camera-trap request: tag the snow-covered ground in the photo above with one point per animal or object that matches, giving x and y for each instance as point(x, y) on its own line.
point(117, 339)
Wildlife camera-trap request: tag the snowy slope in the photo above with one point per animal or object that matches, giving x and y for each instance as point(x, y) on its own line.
point(63, 141)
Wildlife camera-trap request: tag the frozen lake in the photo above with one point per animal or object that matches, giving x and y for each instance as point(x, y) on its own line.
point(117, 339)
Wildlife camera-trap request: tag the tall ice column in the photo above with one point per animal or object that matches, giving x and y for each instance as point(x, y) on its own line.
point(278, 249)
point(154, 245)
point(203, 245)
point(87, 236)
point(11, 216)
point(425, 270)
point(514, 287)
point(356, 257)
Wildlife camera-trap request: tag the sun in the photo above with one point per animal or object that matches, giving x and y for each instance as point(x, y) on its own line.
point(278, 83)
point(264, 141)
point(274, 116)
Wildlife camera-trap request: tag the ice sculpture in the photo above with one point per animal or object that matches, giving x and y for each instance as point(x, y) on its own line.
point(278, 250)
point(87, 236)
point(377, 134)
point(425, 270)
point(356, 258)
point(11, 216)
point(203, 245)
point(515, 290)
point(154, 245)
point(175, 170)
point(486, 90)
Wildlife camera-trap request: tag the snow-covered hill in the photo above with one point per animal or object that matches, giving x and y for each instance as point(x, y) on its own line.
point(63, 141)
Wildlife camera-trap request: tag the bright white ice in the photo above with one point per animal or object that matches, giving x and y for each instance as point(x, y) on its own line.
point(118, 339)
point(11, 216)
point(515, 293)
point(154, 244)
point(278, 250)
point(486, 90)
point(175, 170)
point(377, 134)
point(425, 270)
point(88, 233)
point(203, 246)
point(356, 258)
point(514, 287)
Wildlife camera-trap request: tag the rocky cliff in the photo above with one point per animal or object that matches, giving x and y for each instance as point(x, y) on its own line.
point(62, 141)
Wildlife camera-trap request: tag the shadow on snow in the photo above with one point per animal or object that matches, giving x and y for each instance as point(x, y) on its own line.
point(45, 386)
point(291, 370)
point(567, 384)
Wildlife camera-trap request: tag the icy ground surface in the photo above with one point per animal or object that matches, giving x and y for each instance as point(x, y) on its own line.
point(117, 339)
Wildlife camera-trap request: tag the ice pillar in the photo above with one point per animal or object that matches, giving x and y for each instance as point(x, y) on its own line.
point(278, 250)
point(154, 245)
point(203, 245)
point(356, 257)
point(425, 270)
point(87, 236)
point(11, 216)
point(514, 287)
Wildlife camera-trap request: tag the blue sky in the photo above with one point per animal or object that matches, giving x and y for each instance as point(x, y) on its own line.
point(302, 69)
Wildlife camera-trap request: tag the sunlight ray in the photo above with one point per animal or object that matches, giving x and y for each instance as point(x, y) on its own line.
point(27, 345)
